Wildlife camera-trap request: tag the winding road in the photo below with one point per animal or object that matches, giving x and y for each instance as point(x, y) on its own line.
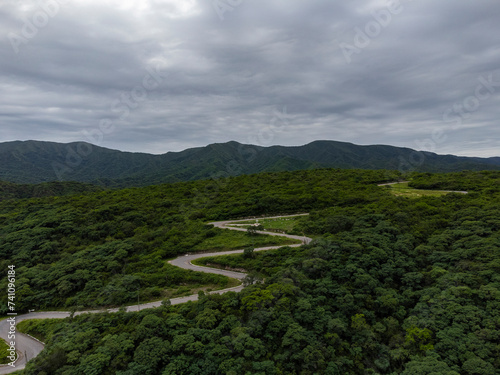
point(441, 191)
point(29, 347)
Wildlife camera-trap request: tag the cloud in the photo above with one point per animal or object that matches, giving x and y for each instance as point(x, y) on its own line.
point(222, 75)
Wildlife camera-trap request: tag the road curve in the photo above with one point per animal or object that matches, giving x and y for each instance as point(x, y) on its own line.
point(30, 347)
point(393, 183)
point(441, 191)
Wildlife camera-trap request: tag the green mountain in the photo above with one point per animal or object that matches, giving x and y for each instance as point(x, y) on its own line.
point(36, 162)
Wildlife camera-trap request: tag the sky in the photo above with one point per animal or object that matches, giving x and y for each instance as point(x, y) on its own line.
point(166, 75)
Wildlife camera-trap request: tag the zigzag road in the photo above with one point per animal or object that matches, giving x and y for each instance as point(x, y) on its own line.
point(28, 347)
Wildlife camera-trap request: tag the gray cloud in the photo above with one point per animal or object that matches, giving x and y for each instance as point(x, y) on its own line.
point(169, 75)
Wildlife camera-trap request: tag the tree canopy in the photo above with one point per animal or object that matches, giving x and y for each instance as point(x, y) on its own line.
point(390, 285)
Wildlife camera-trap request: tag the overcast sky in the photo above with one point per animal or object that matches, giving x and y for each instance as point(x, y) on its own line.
point(166, 75)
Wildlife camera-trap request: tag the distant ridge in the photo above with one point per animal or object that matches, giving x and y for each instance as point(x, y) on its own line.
point(37, 161)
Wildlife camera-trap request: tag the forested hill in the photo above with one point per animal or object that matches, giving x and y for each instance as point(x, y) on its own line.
point(36, 162)
point(392, 284)
point(9, 190)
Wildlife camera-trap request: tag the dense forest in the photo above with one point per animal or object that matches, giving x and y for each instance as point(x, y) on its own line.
point(390, 285)
point(36, 162)
point(9, 190)
point(98, 249)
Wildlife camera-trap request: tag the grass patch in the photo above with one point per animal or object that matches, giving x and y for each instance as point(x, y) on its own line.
point(171, 282)
point(231, 240)
point(187, 290)
point(223, 261)
point(41, 329)
point(403, 190)
point(263, 262)
point(4, 353)
point(286, 224)
point(220, 262)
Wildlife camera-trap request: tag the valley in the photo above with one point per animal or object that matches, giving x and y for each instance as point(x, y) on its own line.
point(409, 281)
point(26, 344)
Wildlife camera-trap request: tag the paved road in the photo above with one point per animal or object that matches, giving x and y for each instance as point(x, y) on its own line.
point(29, 347)
point(224, 225)
point(441, 191)
point(26, 346)
point(393, 183)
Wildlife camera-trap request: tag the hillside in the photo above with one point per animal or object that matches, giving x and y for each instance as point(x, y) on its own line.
point(117, 236)
point(9, 190)
point(36, 162)
point(391, 285)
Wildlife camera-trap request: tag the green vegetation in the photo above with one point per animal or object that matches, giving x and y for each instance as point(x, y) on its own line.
point(484, 181)
point(261, 264)
point(36, 162)
point(284, 224)
point(393, 285)
point(230, 240)
point(404, 190)
point(102, 249)
point(9, 190)
point(38, 328)
point(4, 352)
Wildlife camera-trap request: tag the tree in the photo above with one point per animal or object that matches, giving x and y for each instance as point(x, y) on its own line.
point(248, 252)
point(431, 364)
point(252, 230)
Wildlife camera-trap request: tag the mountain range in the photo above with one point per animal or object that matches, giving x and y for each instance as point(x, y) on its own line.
point(32, 162)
